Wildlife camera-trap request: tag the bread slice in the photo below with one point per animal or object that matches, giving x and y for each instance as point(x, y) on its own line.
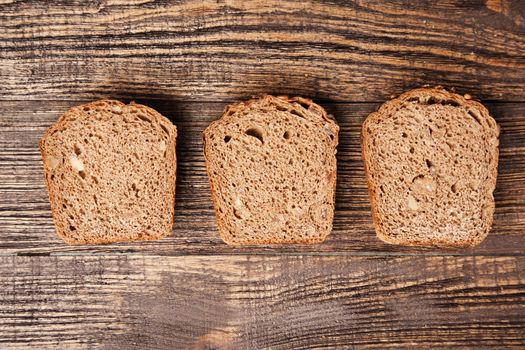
point(272, 170)
point(431, 159)
point(110, 171)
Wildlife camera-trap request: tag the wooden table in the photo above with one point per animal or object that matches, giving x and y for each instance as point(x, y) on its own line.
point(191, 291)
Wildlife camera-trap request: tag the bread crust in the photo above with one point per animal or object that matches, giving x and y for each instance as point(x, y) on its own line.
point(230, 111)
point(438, 93)
point(60, 125)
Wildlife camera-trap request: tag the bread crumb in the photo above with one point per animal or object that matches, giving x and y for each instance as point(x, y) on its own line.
point(76, 163)
point(117, 109)
point(52, 162)
point(424, 183)
point(412, 203)
point(238, 203)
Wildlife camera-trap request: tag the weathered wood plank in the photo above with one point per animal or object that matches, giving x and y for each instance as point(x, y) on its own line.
point(25, 219)
point(215, 50)
point(246, 302)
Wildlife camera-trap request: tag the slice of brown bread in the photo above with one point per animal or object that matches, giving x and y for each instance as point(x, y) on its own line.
point(431, 160)
point(110, 171)
point(272, 170)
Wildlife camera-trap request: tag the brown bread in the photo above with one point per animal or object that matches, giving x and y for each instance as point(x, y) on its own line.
point(272, 170)
point(431, 160)
point(110, 170)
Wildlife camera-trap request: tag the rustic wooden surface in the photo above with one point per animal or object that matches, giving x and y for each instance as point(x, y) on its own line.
point(189, 59)
point(216, 50)
point(262, 302)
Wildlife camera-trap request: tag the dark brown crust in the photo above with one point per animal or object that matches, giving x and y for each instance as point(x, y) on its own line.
point(230, 110)
point(439, 93)
point(59, 125)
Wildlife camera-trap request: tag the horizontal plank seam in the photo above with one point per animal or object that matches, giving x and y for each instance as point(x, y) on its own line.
point(226, 101)
point(263, 254)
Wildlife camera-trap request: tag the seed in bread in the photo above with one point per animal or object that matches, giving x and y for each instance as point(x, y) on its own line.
point(272, 170)
point(431, 159)
point(110, 170)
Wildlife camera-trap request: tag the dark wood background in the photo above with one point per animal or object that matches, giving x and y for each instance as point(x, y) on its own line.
point(189, 59)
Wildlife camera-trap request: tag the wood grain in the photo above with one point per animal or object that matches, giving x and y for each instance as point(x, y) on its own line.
point(247, 302)
point(216, 50)
point(27, 228)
